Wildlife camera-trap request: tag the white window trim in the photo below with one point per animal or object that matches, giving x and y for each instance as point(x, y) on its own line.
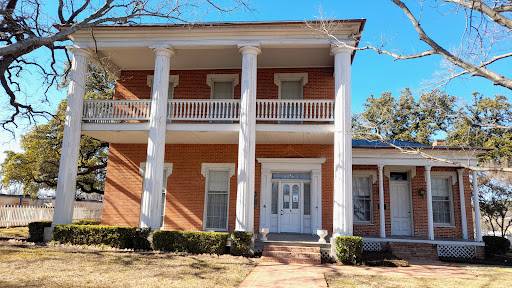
point(410, 169)
point(167, 173)
point(174, 80)
point(212, 78)
point(446, 175)
point(280, 77)
point(373, 178)
point(207, 167)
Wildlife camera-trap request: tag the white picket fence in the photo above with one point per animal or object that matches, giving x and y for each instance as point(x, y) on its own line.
point(22, 215)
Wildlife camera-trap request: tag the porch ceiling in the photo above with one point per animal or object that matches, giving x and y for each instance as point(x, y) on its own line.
point(215, 57)
point(137, 133)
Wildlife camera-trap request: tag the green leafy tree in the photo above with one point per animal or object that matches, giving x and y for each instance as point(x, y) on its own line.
point(37, 167)
point(405, 119)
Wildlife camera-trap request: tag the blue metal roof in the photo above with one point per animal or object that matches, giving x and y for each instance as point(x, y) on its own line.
point(380, 143)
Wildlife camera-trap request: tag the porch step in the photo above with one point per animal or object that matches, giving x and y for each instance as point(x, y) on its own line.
point(292, 254)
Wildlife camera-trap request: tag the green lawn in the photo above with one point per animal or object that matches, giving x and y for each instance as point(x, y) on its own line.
point(487, 277)
point(42, 266)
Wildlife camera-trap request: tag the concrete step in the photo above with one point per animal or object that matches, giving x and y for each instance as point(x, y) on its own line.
point(291, 248)
point(291, 260)
point(296, 255)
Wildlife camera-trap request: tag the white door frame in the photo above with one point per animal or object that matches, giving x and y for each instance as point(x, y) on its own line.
point(304, 165)
point(409, 188)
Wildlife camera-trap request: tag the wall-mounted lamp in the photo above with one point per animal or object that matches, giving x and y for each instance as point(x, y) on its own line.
point(421, 192)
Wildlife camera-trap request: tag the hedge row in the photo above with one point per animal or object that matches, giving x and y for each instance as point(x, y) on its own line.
point(241, 243)
point(190, 242)
point(349, 249)
point(496, 245)
point(36, 230)
point(118, 237)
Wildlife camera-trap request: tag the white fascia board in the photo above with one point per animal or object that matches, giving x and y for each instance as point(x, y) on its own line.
point(315, 128)
point(115, 126)
point(395, 157)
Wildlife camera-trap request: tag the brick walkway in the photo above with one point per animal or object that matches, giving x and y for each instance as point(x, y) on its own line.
point(271, 274)
point(274, 274)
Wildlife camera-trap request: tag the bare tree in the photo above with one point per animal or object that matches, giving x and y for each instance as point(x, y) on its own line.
point(28, 25)
point(486, 40)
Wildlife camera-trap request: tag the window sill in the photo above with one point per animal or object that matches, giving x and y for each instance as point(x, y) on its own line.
point(364, 223)
point(445, 225)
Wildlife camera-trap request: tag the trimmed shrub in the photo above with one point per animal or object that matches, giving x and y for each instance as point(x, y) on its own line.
point(36, 230)
point(117, 237)
point(190, 242)
point(88, 222)
point(349, 249)
point(496, 245)
point(241, 243)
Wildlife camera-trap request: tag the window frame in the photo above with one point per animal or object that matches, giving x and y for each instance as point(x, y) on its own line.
point(449, 178)
point(174, 80)
point(373, 178)
point(205, 170)
point(212, 78)
point(280, 77)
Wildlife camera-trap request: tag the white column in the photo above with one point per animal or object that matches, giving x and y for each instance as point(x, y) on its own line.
point(476, 202)
point(430, 214)
point(153, 177)
point(247, 139)
point(464, 224)
point(66, 186)
point(342, 206)
point(381, 203)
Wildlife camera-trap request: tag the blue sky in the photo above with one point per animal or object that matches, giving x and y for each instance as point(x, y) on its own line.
point(371, 73)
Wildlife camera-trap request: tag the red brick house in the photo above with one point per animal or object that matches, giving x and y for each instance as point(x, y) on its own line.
point(246, 126)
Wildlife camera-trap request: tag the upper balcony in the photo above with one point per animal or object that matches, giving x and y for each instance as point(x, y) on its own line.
point(305, 121)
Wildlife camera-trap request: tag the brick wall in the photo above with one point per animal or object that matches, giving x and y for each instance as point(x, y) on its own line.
point(419, 208)
point(192, 83)
point(186, 186)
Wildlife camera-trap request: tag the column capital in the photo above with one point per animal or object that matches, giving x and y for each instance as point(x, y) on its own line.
point(381, 167)
point(249, 48)
point(460, 171)
point(77, 50)
point(428, 167)
point(337, 49)
point(163, 49)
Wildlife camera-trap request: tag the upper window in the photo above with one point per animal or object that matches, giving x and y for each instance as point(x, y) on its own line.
point(222, 85)
point(290, 84)
point(442, 201)
point(174, 80)
point(362, 198)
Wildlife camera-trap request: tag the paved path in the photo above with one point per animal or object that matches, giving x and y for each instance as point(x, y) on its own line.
point(271, 274)
point(274, 274)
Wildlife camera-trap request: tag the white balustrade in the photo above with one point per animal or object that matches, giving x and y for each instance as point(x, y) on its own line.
point(295, 110)
point(101, 110)
point(203, 110)
point(105, 111)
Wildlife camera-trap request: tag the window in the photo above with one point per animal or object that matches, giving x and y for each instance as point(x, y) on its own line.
point(290, 88)
point(222, 87)
point(174, 80)
point(398, 176)
point(442, 201)
point(217, 195)
point(362, 198)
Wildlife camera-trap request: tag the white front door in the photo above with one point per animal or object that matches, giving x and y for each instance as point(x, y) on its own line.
point(290, 198)
point(400, 197)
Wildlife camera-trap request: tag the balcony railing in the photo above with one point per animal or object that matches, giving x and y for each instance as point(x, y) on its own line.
point(285, 111)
